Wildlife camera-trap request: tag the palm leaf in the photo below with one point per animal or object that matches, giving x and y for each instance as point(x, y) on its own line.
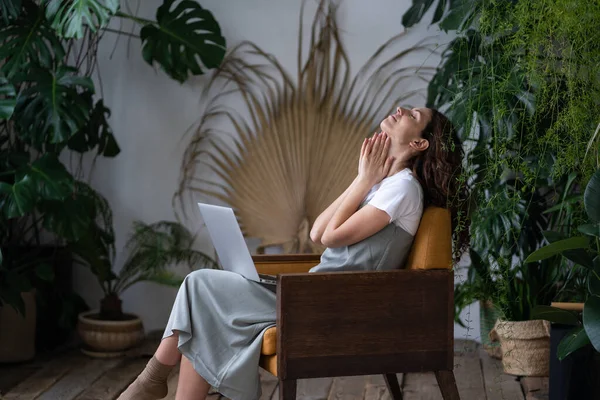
point(155, 247)
point(70, 18)
point(294, 146)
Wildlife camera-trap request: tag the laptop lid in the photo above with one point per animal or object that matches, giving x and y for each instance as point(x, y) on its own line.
point(228, 240)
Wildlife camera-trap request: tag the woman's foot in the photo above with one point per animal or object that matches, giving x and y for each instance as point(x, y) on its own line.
point(151, 384)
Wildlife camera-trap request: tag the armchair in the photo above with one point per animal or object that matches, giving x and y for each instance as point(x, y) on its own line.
point(365, 323)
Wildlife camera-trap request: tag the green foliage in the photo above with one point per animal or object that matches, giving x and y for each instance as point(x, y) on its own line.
point(70, 17)
point(7, 99)
point(47, 106)
point(28, 42)
point(574, 340)
point(151, 250)
point(183, 36)
point(520, 82)
point(51, 108)
point(590, 246)
point(9, 10)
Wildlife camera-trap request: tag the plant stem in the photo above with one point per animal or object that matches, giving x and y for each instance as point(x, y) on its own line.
point(118, 32)
point(141, 21)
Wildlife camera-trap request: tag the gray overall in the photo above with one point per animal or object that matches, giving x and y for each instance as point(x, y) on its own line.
point(221, 316)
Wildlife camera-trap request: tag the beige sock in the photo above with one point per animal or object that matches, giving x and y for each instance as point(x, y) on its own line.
point(151, 383)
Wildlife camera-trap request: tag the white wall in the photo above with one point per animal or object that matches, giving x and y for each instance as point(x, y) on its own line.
point(150, 114)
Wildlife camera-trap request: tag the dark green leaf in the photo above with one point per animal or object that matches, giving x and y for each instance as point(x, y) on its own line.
point(51, 178)
point(579, 242)
point(9, 10)
point(594, 278)
point(555, 315)
point(97, 133)
point(29, 41)
point(45, 272)
point(581, 257)
point(185, 35)
point(70, 17)
point(591, 320)
point(590, 229)
point(7, 99)
point(552, 236)
point(568, 201)
point(51, 110)
point(458, 15)
point(591, 198)
point(18, 199)
point(69, 218)
point(574, 340)
point(416, 11)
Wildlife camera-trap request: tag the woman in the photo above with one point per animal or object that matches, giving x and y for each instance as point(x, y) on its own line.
point(219, 317)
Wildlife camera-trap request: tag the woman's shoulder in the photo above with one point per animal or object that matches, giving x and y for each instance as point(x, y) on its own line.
point(404, 179)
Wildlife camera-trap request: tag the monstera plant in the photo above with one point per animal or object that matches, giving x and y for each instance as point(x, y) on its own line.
point(50, 108)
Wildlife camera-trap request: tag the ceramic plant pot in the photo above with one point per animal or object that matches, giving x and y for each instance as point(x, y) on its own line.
point(109, 338)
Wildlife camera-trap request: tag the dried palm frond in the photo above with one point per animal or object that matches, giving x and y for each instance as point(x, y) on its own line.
point(298, 149)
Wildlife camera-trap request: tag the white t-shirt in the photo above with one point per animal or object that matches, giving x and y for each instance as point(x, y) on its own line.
point(401, 197)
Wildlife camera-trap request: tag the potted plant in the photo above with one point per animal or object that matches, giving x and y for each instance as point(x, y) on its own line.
point(151, 249)
point(49, 107)
point(579, 332)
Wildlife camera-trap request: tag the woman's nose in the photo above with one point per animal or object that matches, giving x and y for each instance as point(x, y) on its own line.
point(399, 110)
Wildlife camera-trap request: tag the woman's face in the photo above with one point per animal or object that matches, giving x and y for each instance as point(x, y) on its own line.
point(406, 125)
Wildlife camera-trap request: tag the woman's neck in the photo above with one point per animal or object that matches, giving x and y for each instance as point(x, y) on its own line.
point(398, 166)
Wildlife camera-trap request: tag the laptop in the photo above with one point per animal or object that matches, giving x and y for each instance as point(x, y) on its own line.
point(230, 245)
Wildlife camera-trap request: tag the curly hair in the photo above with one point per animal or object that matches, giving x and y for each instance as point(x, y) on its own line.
point(439, 170)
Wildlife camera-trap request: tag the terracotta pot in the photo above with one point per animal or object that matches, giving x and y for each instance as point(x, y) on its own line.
point(109, 338)
point(17, 332)
point(525, 347)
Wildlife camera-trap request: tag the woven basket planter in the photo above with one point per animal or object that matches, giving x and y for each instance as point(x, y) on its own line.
point(108, 338)
point(525, 346)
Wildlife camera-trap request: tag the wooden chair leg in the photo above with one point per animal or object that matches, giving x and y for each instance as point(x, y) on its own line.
point(391, 380)
point(287, 389)
point(447, 383)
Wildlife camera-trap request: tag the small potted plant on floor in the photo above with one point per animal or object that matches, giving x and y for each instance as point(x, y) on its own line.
point(153, 248)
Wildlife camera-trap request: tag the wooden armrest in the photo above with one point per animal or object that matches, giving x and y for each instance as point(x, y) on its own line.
point(274, 264)
point(398, 320)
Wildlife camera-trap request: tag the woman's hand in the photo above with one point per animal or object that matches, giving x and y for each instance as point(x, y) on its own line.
point(374, 163)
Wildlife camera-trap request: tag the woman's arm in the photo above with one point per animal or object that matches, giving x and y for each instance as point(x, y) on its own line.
point(348, 226)
point(323, 219)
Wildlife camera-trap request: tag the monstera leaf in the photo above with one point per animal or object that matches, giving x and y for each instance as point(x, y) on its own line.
point(96, 133)
point(17, 199)
point(9, 10)
point(51, 110)
point(28, 41)
point(44, 179)
point(460, 13)
point(185, 35)
point(7, 99)
point(74, 217)
point(71, 16)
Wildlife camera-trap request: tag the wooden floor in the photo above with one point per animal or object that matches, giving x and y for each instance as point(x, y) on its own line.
point(70, 375)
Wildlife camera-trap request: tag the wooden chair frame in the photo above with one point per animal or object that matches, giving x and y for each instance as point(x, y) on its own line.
point(363, 323)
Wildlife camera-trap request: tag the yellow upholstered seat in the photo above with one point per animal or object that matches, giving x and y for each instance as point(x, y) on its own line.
point(431, 249)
